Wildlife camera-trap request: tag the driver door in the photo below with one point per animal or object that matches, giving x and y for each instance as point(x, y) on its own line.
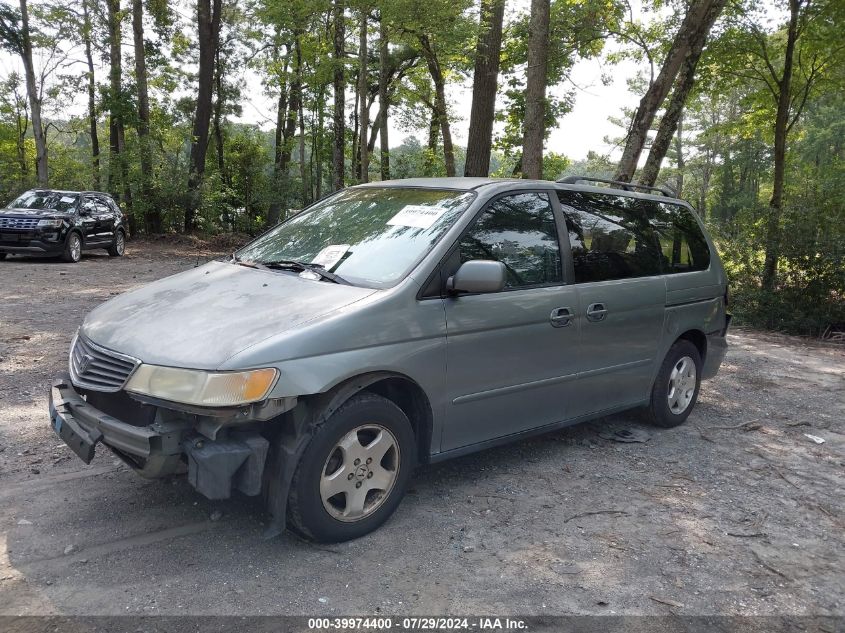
point(511, 355)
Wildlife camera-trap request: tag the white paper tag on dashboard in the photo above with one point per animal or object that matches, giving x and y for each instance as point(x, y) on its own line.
point(417, 215)
point(68, 199)
point(330, 256)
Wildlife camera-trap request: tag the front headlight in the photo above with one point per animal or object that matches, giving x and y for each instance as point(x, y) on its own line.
point(202, 388)
point(52, 223)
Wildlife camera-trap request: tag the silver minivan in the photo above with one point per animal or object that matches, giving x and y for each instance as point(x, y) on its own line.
point(399, 323)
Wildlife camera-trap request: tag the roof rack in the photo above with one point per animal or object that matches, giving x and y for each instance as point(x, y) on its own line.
point(626, 186)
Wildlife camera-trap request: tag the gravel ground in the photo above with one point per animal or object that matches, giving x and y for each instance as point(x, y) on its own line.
point(735, 513)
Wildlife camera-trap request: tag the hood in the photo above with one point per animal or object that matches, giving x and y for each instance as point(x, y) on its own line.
point(33, 213)
point(201, 317)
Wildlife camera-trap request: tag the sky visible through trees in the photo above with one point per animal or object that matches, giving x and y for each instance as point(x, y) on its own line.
point(221, 116)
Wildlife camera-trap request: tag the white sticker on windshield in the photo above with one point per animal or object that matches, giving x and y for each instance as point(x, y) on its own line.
point(417, 215)
point(68, 199)
point(330, 256)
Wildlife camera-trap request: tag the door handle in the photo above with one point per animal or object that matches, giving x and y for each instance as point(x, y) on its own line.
point(596, 312)
point(561, 317)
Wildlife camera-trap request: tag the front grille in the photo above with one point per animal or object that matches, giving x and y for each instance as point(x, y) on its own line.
point(100, 369)
point(21, 224)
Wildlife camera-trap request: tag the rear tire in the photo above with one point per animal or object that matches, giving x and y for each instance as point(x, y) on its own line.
point(3, 256)
point(676, 387)
point(354, 471)
point(73, 248)
point(118, 246)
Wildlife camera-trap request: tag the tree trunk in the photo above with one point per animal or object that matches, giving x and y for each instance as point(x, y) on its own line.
point(770, 264)
point(152, 215)
point(274, 211)
point(218, 120)
point(364, 114)
point(694, 21)
point(535, 90)
point(431, 148)
point(318, 143)
point(208, 31)
point(679, 150)
point(303, 167)
point(294, 103)
point(683, 87)
point(441, 110)
point(113, 12)
point(384, 102)
point(32, 92)
point(339, 85)
point(92, 97)
point(485, 81)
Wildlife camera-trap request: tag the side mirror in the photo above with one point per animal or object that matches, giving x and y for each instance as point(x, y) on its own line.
point(478, 275)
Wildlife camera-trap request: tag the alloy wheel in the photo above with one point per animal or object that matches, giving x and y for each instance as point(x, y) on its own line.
point(682, 383)
point(360, 473)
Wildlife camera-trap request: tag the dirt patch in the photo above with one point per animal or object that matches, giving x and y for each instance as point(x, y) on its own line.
point(737, 512)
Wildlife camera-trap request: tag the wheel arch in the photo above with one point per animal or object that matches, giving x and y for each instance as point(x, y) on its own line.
point(697, 338)
point(401, 390)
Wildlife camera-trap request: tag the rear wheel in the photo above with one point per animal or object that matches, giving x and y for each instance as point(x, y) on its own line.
point(354, 472)
point(3, 256)
point(676, 387)
point(118, 246)
point(73, 248)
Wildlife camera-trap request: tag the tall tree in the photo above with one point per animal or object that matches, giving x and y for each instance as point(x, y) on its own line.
point(683, 86)
point(441, 110)
point(364, 110)
point(384, 99)
point(208, 30)
point(535, 91)
point(87, 36)
point(16, 35)
point(695, 21)
point(339, 86)
point(484, 87)
point(152, 215)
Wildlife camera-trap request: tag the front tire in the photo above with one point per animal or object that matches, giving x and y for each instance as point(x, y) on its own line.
point(676, 387)
point(118, 246)
point(3, 256)
point(73, 248)
point(354, 471)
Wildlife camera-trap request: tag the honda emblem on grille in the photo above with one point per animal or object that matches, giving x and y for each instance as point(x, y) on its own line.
point(85, 363)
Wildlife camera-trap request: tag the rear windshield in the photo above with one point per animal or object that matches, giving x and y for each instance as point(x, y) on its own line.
point(48, 200)
point(370, 236)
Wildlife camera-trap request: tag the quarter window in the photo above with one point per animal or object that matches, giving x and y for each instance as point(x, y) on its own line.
point(519, 231)
point(681, 240)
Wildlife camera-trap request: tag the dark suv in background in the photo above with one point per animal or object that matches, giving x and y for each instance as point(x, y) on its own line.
point(63, 223)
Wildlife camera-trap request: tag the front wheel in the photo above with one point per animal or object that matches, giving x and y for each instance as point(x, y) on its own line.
point(354, 472)
point(3, 256)
point(118, 246)
point(676, 387)
point(73, 248)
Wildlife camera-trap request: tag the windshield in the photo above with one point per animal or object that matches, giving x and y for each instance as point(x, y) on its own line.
point(370, 236)
point(50, 200)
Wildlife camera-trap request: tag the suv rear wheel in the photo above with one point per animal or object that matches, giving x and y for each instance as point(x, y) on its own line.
point(73, 248)
point(354, 472)
point(676, 387)
point(118, 246)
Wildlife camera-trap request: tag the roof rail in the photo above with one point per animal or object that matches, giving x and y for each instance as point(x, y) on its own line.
point(626, 186)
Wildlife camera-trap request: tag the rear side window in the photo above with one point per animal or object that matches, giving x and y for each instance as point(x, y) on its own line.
point(611, 237)
point(681, 240)
point(519, 231)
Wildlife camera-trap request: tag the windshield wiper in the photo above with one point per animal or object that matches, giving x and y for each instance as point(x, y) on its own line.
point(303, 267)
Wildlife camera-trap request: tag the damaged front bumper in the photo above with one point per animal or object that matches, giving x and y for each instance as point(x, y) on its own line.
point(232, 459)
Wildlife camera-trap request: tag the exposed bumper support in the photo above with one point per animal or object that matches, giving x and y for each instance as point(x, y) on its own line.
point(82, 426)
point(160, 449)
